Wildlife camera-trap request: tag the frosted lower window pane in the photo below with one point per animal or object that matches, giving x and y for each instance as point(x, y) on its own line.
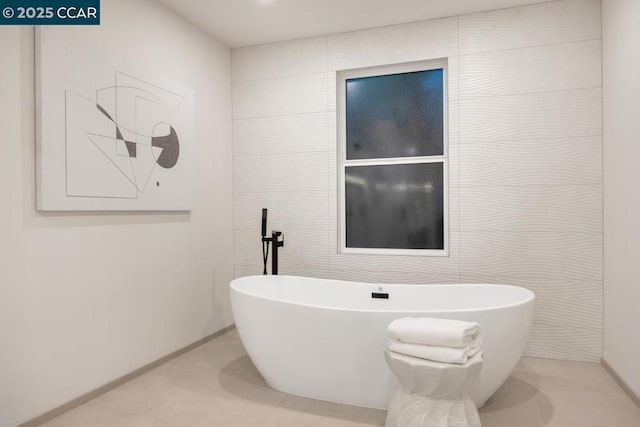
point(395, 206)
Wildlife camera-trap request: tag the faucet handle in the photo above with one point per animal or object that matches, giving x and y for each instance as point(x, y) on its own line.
point(275, 236)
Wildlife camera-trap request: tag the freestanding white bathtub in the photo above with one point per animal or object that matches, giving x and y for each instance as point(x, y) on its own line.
point(324, 339)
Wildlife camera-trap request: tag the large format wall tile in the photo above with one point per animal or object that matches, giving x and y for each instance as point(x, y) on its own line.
point(306, 250)
point(550, 256)
point(535, 25)
point(453, 122)
point(290, 58)
point(535, 69)
point(282, 134)
point(577, 310)
point(332, 81)
point(281, 172)
point(300, 210)
point(558, 208)
point(286, 95)
point(453, 76)
point(563, 161)
point(563, 342)
point(537, 115)
point(395, 44)
point(332, 131)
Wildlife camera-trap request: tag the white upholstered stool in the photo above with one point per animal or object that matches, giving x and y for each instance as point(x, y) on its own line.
point(432, 393)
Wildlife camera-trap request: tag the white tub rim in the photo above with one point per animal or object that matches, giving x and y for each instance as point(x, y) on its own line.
point(528, 296)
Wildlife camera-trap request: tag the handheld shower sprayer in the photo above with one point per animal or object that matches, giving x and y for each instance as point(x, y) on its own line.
point(264, 222)
point(265, 241)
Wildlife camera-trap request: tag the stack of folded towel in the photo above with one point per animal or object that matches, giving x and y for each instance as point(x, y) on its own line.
point(438, 340)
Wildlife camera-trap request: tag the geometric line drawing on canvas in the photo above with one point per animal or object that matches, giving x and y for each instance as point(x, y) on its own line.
point(92, 167)
point(129, 124)
point(113, 134)
point(106, 145)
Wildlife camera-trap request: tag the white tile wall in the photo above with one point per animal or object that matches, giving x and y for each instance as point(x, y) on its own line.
point(300, 210)
point(531, 255)
point(280, 96)
point(394, 44)
point(272, 173)
point(282, 134)
point(331, 90)
point(537, 25)
point(558, 341)
point(563, 66)
point(297, 57)
point(564, 113)
point(525, 150)
point(532, 162)
point(537, 208)
point(565, 310)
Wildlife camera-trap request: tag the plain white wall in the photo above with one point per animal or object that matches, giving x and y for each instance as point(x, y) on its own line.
point(525, 146)
point(621, 85)
point(87, 298)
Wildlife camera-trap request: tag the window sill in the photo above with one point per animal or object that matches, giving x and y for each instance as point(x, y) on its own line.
point(396, 252)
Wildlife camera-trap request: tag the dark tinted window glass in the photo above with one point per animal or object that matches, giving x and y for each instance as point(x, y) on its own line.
point(396, 115)
point(395, 206)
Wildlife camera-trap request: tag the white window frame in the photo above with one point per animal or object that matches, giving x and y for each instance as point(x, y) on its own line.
point(343, 163)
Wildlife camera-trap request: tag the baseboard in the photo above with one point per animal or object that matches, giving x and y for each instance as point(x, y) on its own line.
point(65, 407)
point(620, 381)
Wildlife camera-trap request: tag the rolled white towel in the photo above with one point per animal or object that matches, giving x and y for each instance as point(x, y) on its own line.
point(436, 332)
point(434, 353)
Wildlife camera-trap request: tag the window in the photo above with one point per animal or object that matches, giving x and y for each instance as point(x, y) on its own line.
point(393, 159)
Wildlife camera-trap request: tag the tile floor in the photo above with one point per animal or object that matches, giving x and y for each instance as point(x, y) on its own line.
point(217, 385)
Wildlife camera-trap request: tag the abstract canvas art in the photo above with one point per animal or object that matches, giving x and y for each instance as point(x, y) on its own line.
point(112, 134)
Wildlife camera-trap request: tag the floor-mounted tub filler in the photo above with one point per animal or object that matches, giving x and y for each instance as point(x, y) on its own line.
point(324, 339)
